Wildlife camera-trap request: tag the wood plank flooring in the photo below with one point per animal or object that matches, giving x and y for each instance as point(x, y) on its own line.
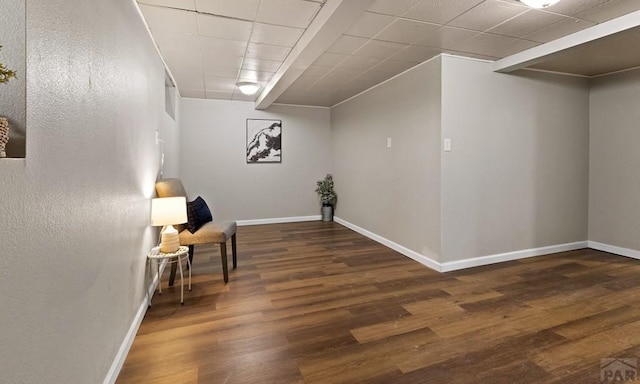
point(318, 303)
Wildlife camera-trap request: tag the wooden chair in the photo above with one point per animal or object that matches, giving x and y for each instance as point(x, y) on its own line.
point(212, 232)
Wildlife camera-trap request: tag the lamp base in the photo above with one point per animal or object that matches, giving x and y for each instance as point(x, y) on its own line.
point(170, 241)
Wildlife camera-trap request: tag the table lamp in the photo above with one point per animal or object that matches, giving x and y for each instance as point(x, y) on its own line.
point(167, 211)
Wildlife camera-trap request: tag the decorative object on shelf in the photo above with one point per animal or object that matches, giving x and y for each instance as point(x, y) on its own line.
point(5, 73)
point(327, 196)
point(167, 211)
point(264, 141)
point(4, 136)
point(539, 4)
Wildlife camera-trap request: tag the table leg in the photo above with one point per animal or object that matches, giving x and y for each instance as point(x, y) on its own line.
point(189, 266)
point(181, 280)
point(159, 278)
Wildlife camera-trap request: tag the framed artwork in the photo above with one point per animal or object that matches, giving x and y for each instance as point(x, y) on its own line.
point(263, 141)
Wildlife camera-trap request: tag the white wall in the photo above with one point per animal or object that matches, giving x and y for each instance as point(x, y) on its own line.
point(614, 179)
point(517, 175)
point(13, 56)
point(392, 192)
point(75, 212)
point(213, 163)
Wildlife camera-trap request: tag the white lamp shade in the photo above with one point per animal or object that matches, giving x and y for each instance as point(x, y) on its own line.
point(248, 88)
point(539, 3)
point(168, 211)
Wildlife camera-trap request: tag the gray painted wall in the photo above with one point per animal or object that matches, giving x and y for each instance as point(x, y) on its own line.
point(517, 175)
point(75, 212)
point(614, 180)
point(392, 192)
point(13, 56)
point(213, 162)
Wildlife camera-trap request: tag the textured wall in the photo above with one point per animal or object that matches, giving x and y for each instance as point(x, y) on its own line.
point(75, 212)
point(517, 175)
point(614, 180)
point(213, 163)
point(13, 56)
point(393, 192)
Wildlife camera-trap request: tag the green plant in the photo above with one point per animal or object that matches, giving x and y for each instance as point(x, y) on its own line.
point(5, 73)
point(325, 191)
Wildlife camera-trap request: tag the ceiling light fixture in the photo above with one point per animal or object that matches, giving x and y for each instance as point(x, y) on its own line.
point(248, 88)
point(538, 4)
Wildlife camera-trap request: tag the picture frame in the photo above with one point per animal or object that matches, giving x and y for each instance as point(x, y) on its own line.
point(264, 141)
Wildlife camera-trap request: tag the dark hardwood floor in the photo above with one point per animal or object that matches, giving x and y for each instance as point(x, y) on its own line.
point(318, 303)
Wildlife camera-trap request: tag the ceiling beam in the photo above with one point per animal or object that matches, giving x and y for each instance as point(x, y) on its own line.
point(334, 18)
point(542, 52)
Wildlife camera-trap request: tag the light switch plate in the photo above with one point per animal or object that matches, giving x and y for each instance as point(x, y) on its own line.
point(388, 142)
point(447, 145)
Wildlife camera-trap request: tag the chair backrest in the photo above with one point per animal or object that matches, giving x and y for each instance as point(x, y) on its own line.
point(172, 188)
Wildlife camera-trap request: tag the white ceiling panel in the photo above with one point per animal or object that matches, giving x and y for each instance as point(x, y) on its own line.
point(406, 31)
point(381, 49)
point(210, 45)
point(170, 20)
point(557, 30)
point(267, 51)
point(275, 34)
point(224, 27)
point(370, 24)
point(261, 65)
point(526, 23)
point(240, 9)
point(181, 4)
point(347, 45)
point(440, 11)
point(291, 13)
point(487, 15)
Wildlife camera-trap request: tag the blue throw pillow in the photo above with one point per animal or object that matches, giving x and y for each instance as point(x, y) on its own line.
point(198, 214)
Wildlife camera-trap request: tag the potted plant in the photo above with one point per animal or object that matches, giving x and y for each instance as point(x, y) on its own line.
point(327, 196)
point(5, 75)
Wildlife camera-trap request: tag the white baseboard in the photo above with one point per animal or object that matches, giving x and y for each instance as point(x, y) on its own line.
point(509, 256)
point(420, 258)
point(615, 250)
point(279, 220)
point(118, 362)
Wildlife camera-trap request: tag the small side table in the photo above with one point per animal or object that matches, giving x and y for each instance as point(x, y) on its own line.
point(174, 257)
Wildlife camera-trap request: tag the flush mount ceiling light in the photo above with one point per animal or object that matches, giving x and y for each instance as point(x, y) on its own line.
point(248, 88)
point(538, 4)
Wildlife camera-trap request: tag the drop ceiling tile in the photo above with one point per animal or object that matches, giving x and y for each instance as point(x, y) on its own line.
point(240, 9)
point(471, 55)
point(337, 77)
point(518, 45)
point(222, 47)
point(347, 45)
point(189, 79)
point(406, 31)
point(223, 27)
point(558, 30)
point(440, 11)
point(316, 71)
point(215, 83)
point(394, 66)
point(303, 82)
point(239, 96)
point(417, 53)
point(210, 58)
point(290, 13)
point(487, 15)
point(369, 25)
point(361, 63)
point(261, 65)
point(181, 4)
point(176, 42)
point(486, 44)
point(328, 59)
point(219, 95)
point(275, 34)
point(249, 75)
point(610, 10)
point(577, 62)
point(571, 8)
point(447, 37)
point(617, 45)
point(169, 20)
point(527, 23)
point(221, 71)
point(393, 7)
point(192, 93)
point(267, 52)
point(381, 49)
